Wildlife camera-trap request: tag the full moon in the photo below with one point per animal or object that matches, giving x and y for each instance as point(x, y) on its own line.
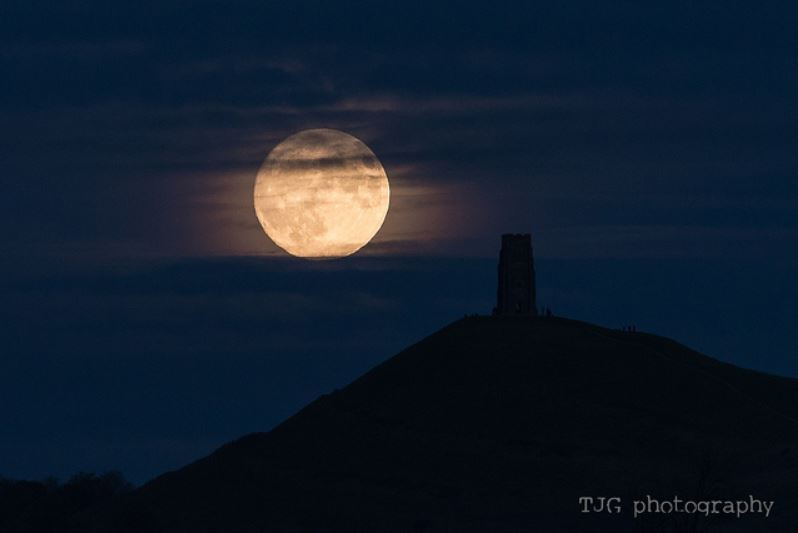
point(321, 193)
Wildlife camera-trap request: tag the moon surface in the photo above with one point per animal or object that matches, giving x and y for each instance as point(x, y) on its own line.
point(321, 193)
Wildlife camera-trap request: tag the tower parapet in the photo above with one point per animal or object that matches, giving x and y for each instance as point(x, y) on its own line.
point(516, 290)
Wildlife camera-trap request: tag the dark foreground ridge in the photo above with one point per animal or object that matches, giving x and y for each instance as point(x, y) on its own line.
point(501, 424)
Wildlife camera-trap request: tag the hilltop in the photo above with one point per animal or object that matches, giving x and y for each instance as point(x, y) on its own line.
point(500, 424)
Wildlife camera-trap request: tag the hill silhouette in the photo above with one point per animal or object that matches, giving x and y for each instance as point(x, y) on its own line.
point(501, 424)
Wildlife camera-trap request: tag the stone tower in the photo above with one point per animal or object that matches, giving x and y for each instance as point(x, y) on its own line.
point(516, 292)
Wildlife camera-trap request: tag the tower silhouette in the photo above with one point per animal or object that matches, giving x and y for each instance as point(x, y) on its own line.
point(516, 290)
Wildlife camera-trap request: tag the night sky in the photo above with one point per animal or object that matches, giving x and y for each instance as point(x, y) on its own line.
point(651, 149)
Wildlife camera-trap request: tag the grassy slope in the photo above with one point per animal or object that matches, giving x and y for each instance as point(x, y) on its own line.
point(499, 424)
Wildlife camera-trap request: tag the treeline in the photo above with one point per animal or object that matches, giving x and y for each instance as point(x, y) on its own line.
point(52, 507)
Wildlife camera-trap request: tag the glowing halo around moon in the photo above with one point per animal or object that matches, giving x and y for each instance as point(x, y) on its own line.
point(321, 193)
